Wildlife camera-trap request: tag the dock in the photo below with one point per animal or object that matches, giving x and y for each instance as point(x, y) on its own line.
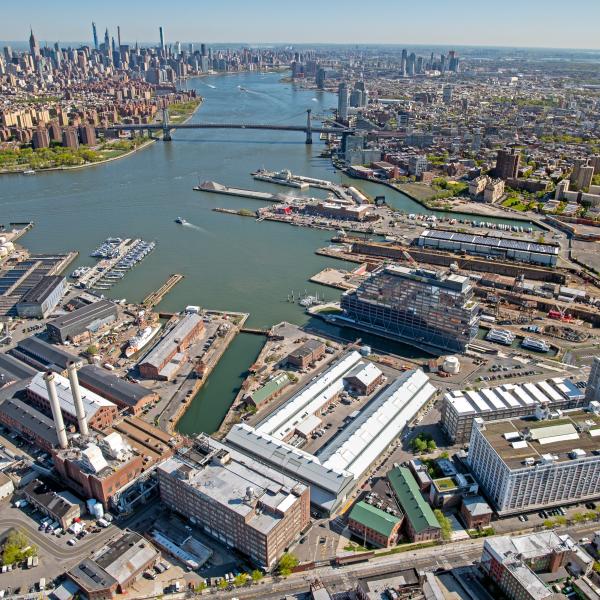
point(218, 188)
point(155, 297)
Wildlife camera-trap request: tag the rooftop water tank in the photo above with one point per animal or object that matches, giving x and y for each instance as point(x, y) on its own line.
point(451, 365)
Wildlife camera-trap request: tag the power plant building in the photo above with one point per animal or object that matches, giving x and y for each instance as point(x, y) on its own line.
point(528, 464)
point(247, 505)
point(490, 245)
point(425, 308)
point(461, 407)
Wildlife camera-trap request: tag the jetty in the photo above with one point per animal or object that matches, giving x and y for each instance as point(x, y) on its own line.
point(218, 188)
point(155, 297)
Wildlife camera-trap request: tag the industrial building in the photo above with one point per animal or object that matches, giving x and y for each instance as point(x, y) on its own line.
point(374, 525)
point(43, 298)
point(420, 523)
point(490, 246)
point(115, 567)
point(526, 464)
point(12, 370)
point(303, 356)
point(461, 407)
point(247, 505)
point(62, 506)
point(125, 394)
point(82, 322)
point(165, 359)
point(522, 566)
point(111, 467)
point(433, 310)
point(99, 412)
point(338, 466)
point(43, 356)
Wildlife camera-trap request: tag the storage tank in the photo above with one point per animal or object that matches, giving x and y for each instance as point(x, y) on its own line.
point(98, 511)
point(90, 505)
point(451, 365)
point(2, 239)
point(365, 350)
point(3, 252)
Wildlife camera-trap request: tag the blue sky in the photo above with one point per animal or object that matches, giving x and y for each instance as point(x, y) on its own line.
point(541, 23)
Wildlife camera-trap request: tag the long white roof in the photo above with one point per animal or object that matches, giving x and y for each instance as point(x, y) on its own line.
point(378, 424)
point(92, 402)
point(310, 399)
point(507, 396)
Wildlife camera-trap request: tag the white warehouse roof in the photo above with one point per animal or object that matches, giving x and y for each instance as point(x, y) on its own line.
point(382, 420)
point(310, 399)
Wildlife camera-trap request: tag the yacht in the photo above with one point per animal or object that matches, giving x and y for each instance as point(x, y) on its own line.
point(140, 340)
point(29, 172)
point(535, 344)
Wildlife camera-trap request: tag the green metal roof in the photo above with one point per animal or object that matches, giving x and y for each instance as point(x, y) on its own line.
point(374, 518)
point(416, 509)
point(270, 388)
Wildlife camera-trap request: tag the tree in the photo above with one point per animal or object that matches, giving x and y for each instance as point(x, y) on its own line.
point(578, 517)
point(92, 350)
point(431, 446)
point(200, 587)
point(256, 575)
point(286, 564)
point(17, 548)
point(445, 524)
point(548, 523)
point(223, 585)
point(240, 579)
point(596, 567)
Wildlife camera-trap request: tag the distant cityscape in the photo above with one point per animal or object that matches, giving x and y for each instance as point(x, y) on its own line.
point(428, 429)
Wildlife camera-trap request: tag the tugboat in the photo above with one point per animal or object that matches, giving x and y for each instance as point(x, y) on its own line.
point(180, 220)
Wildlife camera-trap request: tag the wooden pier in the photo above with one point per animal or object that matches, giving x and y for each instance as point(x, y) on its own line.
point(155, 297)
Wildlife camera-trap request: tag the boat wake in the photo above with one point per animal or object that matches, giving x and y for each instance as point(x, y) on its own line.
point(196, 227)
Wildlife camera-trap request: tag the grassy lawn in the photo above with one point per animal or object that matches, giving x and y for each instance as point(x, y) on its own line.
point(445, 484)
point(408, 548)
point(417, 190)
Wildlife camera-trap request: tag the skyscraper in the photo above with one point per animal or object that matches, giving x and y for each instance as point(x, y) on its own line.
point(320, 79)
point(403, 63)
point(592, 391)
point(95, 34)
point(343, 101)
point(425, 308)
point(447, 92)
point(33, 45)
point(162, 38)
point(507, 164)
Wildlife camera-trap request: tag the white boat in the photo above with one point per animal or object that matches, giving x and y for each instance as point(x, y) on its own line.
point(140, 340)
point(535, 344)
point(29, 172)
point(501, 336)
point(180, 220)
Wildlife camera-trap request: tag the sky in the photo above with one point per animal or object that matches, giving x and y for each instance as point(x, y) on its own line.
point(513, 23)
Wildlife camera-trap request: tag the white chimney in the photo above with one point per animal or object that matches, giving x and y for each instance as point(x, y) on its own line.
point(61, 432)
point(77, 401)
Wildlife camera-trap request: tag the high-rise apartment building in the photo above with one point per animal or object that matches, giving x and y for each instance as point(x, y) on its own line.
point(343, 101)
point(70, 138)
point(424, 308)
point(320, 78)
point(87, 134)
point(592, 391)
point(527, 464)
point(41, 138)
point(507, 164)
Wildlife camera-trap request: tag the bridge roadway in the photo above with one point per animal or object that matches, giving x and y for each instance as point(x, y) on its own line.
point(160, 127)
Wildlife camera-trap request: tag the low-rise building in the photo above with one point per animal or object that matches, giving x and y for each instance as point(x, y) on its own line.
point(364, 379)
point(165, 359)
point(239, 501)
point(448, 492)
point(115, 567)
point(269, 390)
point(7, 487)
point(373, 525)
point(43, 356)
point(303, 356)
point(12, 369)
point(476, 513)
point(420, 522)
point(82, 322)
point(42, 298)
point(62, 506)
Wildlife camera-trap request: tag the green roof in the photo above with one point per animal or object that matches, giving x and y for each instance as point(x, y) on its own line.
point(416, 509)
point(374, 518)
point(270, 388)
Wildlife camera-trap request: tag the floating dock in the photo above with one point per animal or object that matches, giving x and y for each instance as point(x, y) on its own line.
point(155, 297)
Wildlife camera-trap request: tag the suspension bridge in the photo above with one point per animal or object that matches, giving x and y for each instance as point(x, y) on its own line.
point(166, 127)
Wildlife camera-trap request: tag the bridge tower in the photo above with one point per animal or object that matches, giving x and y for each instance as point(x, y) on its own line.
point(308, 127)
point(165, 125)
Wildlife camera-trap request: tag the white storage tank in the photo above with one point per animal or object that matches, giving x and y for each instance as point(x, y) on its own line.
point(91, 503)
point(365, 350)
point(2, 239)
point(451, 365)
point(3, 252)
point(98, 510)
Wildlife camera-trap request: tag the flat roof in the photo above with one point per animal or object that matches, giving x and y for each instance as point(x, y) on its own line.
point(437, 278)
point(414, 506)
point(575, 430)
point(509, 396)
point(307, 348)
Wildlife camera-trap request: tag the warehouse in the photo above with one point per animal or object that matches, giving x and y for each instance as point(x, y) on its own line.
point(12, 370)
point(165, 359)
point(123, 393)
point(43, 356)
point(303, 356)
point(509, 400)
point(78, 324)
point(62, 506)
point(490, 245)
point(99, 411)
point(43, 298)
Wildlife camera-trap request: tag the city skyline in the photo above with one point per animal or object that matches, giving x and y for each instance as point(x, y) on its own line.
point(460, 24)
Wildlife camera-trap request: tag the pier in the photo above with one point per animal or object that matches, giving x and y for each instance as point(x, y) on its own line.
point(155, 297)
point(218, 188)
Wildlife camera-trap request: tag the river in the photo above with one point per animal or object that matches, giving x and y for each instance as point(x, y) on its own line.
point(229, 262)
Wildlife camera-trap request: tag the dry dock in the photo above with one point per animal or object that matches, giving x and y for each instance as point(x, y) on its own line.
point(218, 188)
point(155, 297)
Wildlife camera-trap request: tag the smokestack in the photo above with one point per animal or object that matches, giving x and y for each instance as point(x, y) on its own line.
point(56, 413)
point(76, 392)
